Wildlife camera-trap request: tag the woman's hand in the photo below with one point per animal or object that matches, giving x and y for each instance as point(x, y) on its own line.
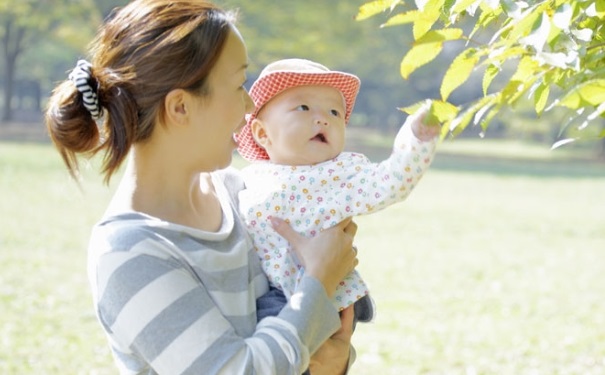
point(329, 256)
point(333, 356)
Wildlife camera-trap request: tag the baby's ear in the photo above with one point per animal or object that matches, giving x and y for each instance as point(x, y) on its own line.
point(257, 128)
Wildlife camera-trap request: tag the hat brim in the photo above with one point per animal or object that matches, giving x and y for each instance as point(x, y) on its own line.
point(272, 84)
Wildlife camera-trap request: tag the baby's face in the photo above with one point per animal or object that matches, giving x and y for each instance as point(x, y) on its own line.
point(304, 125)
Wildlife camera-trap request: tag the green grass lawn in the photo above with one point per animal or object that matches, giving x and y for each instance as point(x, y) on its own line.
point(494, 265)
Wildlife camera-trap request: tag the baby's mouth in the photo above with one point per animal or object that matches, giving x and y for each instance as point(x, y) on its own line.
point(320, 138)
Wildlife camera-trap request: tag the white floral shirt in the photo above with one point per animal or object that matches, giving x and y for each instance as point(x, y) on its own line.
point(312, 198)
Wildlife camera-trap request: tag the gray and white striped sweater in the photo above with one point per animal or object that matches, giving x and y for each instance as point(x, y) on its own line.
point(178, 300)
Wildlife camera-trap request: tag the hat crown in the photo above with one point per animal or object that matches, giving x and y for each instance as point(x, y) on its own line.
point(294, 66)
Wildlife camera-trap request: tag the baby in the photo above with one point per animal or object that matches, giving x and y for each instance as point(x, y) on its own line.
point(295, 139)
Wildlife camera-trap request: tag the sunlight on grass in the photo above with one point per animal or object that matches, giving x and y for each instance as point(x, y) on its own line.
point(47, 323)
point(478, 272)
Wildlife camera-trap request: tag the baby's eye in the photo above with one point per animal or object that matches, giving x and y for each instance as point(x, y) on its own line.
point(335, 112)
point(302, 107)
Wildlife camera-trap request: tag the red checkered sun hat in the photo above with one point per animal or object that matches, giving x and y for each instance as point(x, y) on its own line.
point(284, 74)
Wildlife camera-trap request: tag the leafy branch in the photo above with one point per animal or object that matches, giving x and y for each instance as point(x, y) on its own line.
point(555, 44)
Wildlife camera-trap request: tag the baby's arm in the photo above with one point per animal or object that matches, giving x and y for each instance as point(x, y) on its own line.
point(378, 185)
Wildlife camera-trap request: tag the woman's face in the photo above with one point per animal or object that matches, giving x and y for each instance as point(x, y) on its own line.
point(221, 113)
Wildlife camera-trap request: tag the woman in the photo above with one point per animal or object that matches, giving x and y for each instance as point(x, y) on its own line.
point(173, 274)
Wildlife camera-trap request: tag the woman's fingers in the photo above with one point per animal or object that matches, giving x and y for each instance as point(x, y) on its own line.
point(350, 227)
point(296, 240)
point(329, 256)
point(286, 231)
point(346, 319)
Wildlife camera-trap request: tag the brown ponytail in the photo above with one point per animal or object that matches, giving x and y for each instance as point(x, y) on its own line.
point(144, 51)
point(71, 127)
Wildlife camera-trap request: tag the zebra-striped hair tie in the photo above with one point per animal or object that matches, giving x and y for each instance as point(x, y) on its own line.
point(82, 77)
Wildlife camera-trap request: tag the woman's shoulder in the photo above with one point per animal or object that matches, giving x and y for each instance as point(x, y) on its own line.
point(121, 231)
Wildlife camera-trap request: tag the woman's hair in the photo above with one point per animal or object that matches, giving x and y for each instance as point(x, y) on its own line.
point(142, 52)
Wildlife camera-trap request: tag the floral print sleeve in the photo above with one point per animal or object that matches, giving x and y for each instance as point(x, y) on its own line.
point(373, 186)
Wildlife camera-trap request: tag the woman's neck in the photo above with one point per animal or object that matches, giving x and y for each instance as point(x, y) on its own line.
point(163, 190)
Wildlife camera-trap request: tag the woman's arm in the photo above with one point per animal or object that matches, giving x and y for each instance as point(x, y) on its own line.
point(161, 313)
point(335, 356)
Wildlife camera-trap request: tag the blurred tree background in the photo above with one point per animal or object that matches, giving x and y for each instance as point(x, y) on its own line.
point(42, 39)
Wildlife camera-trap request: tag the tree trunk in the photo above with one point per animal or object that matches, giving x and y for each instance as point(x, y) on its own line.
point(13, 36)
point(9, 80)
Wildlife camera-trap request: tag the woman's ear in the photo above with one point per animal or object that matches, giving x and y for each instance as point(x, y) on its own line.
point(175, 107)
point(257, 127)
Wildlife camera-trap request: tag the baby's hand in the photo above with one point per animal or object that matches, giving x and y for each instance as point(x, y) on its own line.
point(425, 124)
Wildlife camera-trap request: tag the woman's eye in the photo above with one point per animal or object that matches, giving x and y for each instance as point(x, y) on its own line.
point(302, 107)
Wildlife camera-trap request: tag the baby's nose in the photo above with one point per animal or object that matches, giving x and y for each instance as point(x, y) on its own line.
point(321, 120)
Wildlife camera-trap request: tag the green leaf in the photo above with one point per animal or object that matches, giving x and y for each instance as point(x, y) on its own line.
point(600, 8)
point(539, 33)
point(426, 49)
point(512, 94)
point(591, 93)
point(402, 18)
point(458, 72)
point(500, 55)
point(524, 25)
point(527, 69)
point(418, 56)
point(461, 5)
point(541, 97)
point(421, 27)
point(512, 8)
point(430, 12)
point(485, 18)
point(596, 9)
point(479, 115)
point(458, 124)
point(488, 118)
point(490, 73)
point(373, 8)
point(441, 35)
point(412, 108)
point(442, 111)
